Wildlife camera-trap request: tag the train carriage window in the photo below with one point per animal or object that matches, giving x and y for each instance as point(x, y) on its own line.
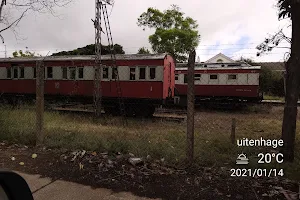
point(80, 73)
point(105, 73)
point(64, 73)
point(232, 77)
point(152, 72)
point(22, 72)
point(132, 73)
point(34, 72)
point(8, 72)
point(176, 77)
point(49, 72)
point(15, 72)
point(72, 75)
point(142, 74)
point(185, 78)
point(213, 77)
point(114, 73)
point(197, 77)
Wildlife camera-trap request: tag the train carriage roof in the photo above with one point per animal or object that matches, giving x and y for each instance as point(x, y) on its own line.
point(87, 57)
point(220, 68)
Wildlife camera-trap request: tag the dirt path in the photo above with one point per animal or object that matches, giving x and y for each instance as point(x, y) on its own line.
point(150, 178)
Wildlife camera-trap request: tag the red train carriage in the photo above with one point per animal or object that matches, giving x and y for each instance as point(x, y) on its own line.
point(145, 80)
point(221, 83)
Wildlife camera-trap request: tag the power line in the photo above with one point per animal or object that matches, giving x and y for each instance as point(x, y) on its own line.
point(132, 47)
point(127, 49)
point(198, 49)
point(228, 53)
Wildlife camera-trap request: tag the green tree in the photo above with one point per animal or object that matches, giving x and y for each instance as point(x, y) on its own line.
point(174, 33)
point(90, 50)
point(20, 53)
point(271, 82)
point(143, 50)
point(288, 9)
point(246, 60)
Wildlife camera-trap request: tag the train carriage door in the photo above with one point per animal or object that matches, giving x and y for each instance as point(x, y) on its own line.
point(73, 82)
point(15, 72)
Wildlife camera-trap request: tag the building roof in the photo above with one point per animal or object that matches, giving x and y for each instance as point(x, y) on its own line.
point(235, 64)
point(275, 66)
point(87, 57)
point(219, 55)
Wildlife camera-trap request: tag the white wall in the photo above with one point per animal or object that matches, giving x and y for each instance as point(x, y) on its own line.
point(57, 73)
point(242, 79)
point(2, 72)
point(253, 79)
point(88, 73)
point(225, 60)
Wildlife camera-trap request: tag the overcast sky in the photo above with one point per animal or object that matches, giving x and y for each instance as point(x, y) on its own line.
point(233, 27)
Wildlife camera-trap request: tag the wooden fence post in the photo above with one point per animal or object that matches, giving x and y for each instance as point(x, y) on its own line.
point(233, 125)
point(39, 103)
point(190, 107)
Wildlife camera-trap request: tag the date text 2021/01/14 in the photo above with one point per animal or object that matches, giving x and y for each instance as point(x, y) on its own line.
point(256, 172)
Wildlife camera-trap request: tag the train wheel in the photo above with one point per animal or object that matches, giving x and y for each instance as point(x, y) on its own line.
point(114, 111)
point(151, 111)
point(145, 111)
point(130, 111)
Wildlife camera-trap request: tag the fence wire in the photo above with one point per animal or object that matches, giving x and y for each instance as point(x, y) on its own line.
point(228, 112)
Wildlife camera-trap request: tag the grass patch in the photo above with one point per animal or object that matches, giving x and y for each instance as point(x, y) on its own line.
point(270, 97)
point(158, 139)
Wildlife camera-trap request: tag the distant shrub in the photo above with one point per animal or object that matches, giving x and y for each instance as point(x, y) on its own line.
point(271, 82)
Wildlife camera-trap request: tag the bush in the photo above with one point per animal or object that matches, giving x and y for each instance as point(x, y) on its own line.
point(271, 82)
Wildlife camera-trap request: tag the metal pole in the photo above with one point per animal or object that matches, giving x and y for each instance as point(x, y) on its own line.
point(5, 51)
point(190, 107)
point(98, 64)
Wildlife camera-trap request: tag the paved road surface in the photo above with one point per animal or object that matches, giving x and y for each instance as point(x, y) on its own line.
point(45, 189)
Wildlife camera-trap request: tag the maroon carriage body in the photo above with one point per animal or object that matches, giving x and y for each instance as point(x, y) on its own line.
point(146, 79)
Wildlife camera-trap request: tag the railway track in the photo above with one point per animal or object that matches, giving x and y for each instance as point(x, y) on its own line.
point(173, 114)
point(159, 115)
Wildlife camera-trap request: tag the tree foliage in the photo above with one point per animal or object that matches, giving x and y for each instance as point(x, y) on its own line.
point(90, 50)
point(271, 82)
point(174, 33)
point(246, 60)
point(284, 7)
point(143, 50)
point(272, 42)
point(290, 9)
point(20, 53)
point(12, 12)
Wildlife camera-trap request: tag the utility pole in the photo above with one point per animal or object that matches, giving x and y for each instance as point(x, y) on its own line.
point(102, 9)
point(5, 51)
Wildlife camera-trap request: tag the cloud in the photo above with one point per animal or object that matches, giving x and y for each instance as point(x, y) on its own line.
point(220, 23)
